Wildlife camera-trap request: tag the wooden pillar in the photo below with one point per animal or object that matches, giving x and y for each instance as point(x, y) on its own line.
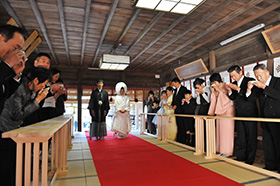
point(270, 66)
point(212, 59)
point(80, 93)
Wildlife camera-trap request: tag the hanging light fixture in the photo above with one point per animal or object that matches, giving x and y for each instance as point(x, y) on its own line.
point(114, 62)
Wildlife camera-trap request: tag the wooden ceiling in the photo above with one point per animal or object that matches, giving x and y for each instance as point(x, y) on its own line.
point(77, 32)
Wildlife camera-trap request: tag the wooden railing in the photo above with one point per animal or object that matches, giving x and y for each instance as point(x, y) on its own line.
point(162, 135)
point(29, 139)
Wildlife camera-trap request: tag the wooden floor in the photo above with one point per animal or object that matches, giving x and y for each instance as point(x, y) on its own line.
point(82, 171)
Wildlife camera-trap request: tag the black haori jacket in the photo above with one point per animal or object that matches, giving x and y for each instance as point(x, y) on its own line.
point(95, 97)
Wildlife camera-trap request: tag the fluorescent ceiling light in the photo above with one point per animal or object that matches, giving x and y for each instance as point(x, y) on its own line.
point(105, 65)
point(114, 62)
point(174, 6)
point(114, 66)
point(121, 67)
point(183, 8)
point(194, 2)
point(242, 34)
point(150, 4)
point(166, 5)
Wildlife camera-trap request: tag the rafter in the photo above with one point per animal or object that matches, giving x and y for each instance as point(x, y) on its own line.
point(145, 30)
point(221, 22)
point(11, 12)
point(63, 27)
point(43, 28)
point(192, 27)
point(245, 21)
point(131, 21)
point(88, 7)
point(175, 23)
point(109, 19)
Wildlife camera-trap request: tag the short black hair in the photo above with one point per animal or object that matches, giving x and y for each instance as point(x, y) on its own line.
point(42, 54)
point(55, 71)
point(188, 92)
point(235, 68)
point(8, 31)
point(163, 92)
point(59, 81)
point(169, 88)
point(151, 92)
point(156, 101)
point(215, 77)
point(176, 80)
point(260, 66)
point(38, 72)
point(99, 80)
point(198, 81)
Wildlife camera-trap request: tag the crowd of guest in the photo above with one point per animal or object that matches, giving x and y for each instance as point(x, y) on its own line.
point(239, 98)
point(27, 95)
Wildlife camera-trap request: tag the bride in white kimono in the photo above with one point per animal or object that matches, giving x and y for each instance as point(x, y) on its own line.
point(121, 123)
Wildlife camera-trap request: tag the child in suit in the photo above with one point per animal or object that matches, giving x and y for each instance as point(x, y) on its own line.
point(189, 105)
point(155, 108)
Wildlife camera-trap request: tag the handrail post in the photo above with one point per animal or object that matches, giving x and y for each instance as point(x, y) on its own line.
point(199, 136)
point(143, 124)
point(211, 138)
point(165, 122)
point(159, 126)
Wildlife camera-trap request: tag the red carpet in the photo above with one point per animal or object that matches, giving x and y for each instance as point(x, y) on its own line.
point(133, 161)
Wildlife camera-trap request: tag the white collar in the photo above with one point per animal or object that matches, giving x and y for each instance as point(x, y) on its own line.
point(268, 81)
point(240, 81)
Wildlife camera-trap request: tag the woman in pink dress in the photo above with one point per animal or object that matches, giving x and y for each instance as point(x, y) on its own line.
point(221, 105)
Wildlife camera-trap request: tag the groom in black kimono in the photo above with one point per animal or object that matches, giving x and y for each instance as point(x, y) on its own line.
point(98, 107)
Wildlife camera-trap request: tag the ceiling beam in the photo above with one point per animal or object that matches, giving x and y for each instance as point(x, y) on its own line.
point(11, 12)
point(43, 28)
point(192, 27)
point(131, 21)
point(63, 27)
point(214, 26)
point(175, 23)
point(145, 30)
point(245, 21)
point(88, 7)
point(109, 19)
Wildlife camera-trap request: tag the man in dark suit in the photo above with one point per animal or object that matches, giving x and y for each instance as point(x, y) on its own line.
point(246, 130)
point(179, 94)
point(267, 88)
point(12, 60)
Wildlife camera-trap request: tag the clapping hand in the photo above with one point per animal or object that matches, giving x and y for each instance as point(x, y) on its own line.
point(234, 86)
point(250, 85)
point(16, 59)
point(42, 94)
point(228, 88)
point(260, 84)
